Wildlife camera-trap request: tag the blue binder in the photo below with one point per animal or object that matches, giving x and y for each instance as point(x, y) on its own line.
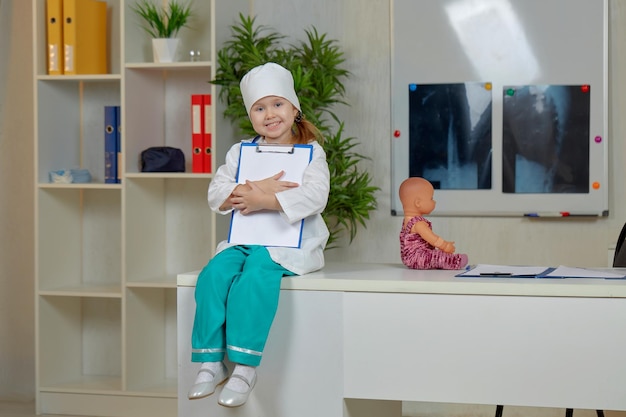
point(118, 144)
point(110, 144)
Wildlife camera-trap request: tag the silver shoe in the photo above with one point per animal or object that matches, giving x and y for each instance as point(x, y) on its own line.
point(230, 398)
point(204, 389)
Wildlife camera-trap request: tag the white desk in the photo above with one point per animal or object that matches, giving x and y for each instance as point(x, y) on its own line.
point(358, 339)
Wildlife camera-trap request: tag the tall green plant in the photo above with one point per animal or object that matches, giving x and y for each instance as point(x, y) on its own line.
point(316, 65)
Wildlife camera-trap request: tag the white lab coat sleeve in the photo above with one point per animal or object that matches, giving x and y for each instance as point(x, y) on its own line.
point(311, 196)
point(224, 181)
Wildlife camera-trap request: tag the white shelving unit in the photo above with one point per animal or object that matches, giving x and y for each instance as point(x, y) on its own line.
point(107, 255)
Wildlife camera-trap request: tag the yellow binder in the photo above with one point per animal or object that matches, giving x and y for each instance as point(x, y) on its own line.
point(85, 37)
point(54, 35)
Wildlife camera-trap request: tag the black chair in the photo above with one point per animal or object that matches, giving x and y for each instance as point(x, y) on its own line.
point(569, 412)
point(619, 261)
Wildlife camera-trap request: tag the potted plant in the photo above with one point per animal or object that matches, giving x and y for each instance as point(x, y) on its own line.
point(162, 23)
point(317, 72)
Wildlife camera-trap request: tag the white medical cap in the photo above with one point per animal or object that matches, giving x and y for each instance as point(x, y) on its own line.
point(267, 80)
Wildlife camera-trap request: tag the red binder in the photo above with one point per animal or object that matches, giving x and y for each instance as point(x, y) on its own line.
point(197, 133)
point(206, 132)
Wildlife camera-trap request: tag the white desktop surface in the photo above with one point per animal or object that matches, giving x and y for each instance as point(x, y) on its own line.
point(385, 334)
point(396, 278)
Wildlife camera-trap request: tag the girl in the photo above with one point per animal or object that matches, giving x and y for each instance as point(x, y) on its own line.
point(237, 291)
point(420, 247)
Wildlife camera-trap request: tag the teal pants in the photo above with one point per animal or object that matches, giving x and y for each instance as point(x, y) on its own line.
point(236, 300)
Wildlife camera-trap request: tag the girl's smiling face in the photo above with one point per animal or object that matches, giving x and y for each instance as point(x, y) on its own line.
point(272, 117)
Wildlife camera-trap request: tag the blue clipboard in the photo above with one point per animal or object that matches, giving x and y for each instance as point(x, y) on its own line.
point(258, 161)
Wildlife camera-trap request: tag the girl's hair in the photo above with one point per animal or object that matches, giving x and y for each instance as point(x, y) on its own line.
point(305, 131)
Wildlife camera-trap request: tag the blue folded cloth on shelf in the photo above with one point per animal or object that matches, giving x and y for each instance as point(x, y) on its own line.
point(69, 176)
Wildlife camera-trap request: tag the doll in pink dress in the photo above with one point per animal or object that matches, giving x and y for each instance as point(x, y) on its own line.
point(420, 247)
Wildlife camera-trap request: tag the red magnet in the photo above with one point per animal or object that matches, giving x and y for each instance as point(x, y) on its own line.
point(585, 88)
point(598, 139)
point(396, 133)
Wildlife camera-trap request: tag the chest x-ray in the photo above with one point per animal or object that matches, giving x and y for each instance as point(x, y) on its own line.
point(545, 139)
point(450, 134)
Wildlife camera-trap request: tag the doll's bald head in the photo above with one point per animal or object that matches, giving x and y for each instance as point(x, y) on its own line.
point(413, 192)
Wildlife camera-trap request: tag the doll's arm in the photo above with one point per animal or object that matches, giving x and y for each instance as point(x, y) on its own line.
point(422, 229)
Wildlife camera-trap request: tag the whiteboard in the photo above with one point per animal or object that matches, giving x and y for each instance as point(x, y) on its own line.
point(503, 49)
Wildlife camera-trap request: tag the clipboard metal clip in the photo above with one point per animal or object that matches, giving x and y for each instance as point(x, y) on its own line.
point(274, 148)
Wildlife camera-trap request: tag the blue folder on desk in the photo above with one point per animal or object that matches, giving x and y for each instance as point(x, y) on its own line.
point(509, 271)
point(503, 271)
point(569, 272)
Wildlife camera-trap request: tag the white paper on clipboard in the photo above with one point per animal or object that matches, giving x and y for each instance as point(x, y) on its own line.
point(259, 161)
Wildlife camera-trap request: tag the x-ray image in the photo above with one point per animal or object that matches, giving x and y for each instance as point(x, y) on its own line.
point(450, 134)
point(545, 139)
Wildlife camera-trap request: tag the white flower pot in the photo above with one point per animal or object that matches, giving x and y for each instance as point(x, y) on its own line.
point(164, 49)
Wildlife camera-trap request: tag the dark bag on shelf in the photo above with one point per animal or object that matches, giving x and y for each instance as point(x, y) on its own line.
point(162, 159)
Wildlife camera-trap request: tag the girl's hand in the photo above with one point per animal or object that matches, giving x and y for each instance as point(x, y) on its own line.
point(252, 198)
point(273, 184)
point(258, 195)
point(248, 198)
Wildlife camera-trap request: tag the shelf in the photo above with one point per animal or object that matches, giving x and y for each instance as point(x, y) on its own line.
point(168, 281)
point(169, 228)
point(79, 239)
point(161, 111)
point(107, 255)
point(164, 388)
point(197, 37)
point(80, 186)
point(70, 126)
point(175, 66)
point(151, 335)
point(97, 291)
point(80, 341)
point(88, 385)
point(113, 36)
point(171, 175)
point(82, 77)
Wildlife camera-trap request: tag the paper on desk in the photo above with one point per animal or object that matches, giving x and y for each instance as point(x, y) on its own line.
point(569, 272)
point(504, 271)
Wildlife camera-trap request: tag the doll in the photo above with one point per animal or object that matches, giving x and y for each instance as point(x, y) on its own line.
point(420, 247)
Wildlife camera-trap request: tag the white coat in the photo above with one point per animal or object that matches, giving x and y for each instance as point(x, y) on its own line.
point(307, 201)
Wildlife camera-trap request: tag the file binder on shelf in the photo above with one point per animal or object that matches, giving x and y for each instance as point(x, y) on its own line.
point(206, 133)
point(197, 133)
point(118, 141)
point(269, 228)
point(54, 36)
point(110, 144)
point(84, 37)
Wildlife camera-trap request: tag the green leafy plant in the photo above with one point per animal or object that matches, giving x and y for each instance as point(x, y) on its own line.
point(316, 65)
point(161, 21)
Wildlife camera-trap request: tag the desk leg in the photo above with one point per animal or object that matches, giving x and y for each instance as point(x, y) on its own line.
point(499, 409)
point(371, 408)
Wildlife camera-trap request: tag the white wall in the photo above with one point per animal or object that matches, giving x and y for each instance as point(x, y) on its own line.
point(17, 348)
point(363, 31)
